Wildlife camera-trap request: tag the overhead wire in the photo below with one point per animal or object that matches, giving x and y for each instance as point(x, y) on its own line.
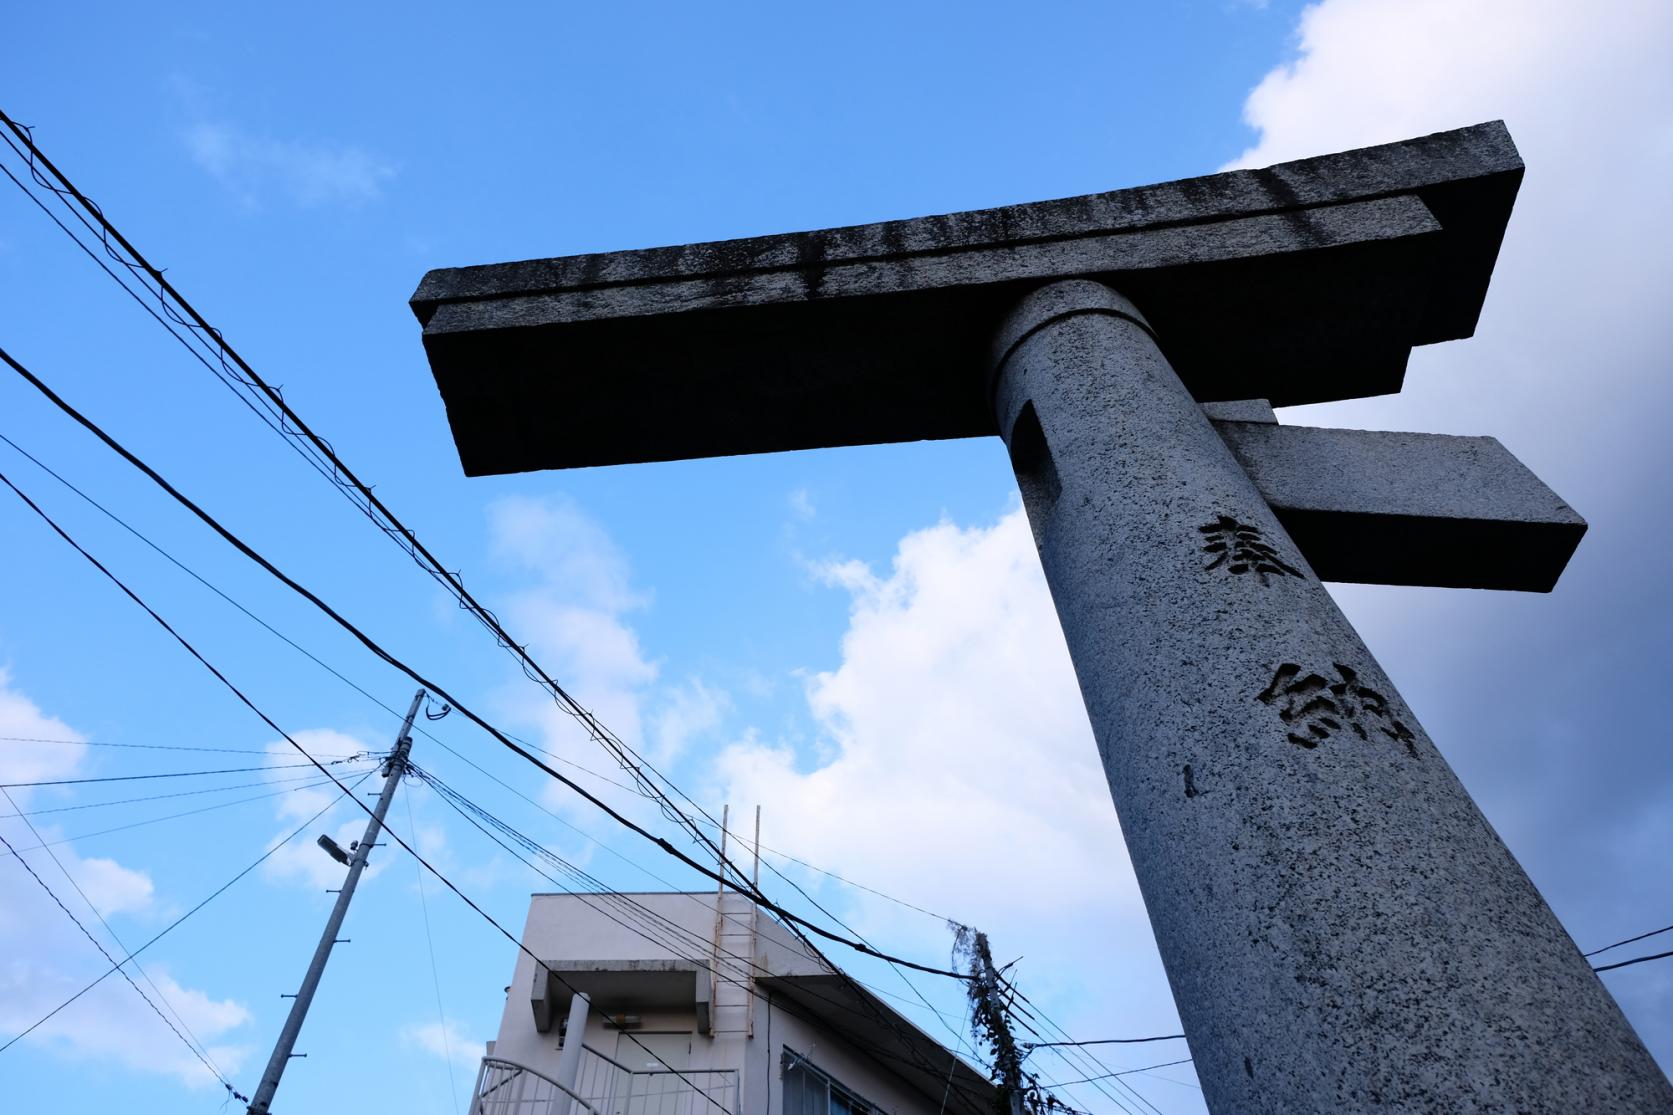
point(1630, 940)
point(740, 882)
point(156, 797)
point(148, 746)
point(430, 945)
point(151, 777)
point(177, 922)
point(943, 918)
point(1634, 960)
point(252, 616)
point(341, 476)
point(84, 496)
point(1100, 1041)
point(392, 528)
point(171, 816)
point(1073, 1055)
point(192, 1039)
point(639, 919)
point(630, 760)
point(42, 883)
point(253, 707)
point(1123, 1072)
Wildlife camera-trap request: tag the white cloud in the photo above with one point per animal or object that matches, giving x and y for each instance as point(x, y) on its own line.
point(308, 173)
point(44, 958)
point(1568, 369)
point(957, 769)
point(801, 505)
point(28, 754)
point(572, 616)
point(574, 613)
point(444, 1042)
point(686, 711)
point(301, 860)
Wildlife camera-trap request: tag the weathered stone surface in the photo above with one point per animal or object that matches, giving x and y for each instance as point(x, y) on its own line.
point(1304, 282)
point(1408, 509)
point(1240, 410)
point(1342, 929)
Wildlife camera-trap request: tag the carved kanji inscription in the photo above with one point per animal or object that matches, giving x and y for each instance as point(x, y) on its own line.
point(1316, 707)
point(1239, 548)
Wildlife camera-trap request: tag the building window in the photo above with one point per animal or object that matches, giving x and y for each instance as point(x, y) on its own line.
point(807, 1091)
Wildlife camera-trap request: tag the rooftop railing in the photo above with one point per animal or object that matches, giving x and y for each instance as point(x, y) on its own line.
point(604, 1086)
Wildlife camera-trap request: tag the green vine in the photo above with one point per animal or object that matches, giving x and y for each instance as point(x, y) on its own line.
point(1017, 1091)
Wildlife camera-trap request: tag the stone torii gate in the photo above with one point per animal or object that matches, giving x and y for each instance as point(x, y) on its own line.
point(1342, 929)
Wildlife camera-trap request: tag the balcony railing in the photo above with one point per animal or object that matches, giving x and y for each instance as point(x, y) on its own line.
point(603, 1086)
point(507, 1088)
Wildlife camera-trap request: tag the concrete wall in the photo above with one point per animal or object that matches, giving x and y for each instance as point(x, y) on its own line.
point(564, 927)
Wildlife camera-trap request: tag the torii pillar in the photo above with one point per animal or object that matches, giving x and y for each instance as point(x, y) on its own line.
point(1342, 929)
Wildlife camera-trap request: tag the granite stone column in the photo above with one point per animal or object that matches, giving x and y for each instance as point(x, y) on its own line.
point(1342, 928)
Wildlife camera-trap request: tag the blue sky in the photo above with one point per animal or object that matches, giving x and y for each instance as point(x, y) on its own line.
point(858, 640)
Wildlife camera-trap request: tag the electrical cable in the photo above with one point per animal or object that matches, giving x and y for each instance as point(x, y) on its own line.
point(1100, 1041)
point(170, 816)
point(1630, 940)
point(1122, 1072)
point(245, 700)
point(224, 1082)
point(365, 640)
point(430, 944)
point(340, 475)
point(395, 530)
point(195, 1042)
point(147, 777)
point(280, 635)
point(649, 924)
point(414, 549)
point(943, 918)
point(155, 797)
point(147, 746)
point(108, 513)
point(1634, 960)
point(177, 922)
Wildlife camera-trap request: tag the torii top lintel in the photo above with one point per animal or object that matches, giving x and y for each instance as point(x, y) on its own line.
point(1304, 282)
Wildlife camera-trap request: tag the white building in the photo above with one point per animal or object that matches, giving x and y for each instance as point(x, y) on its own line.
point(690, 1013)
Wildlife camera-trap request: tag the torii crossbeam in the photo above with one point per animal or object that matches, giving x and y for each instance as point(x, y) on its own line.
point(1342, 929)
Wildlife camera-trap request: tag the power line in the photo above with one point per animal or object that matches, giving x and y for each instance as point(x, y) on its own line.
point(323, 456)
point(430, 944)
point(269, 628)
point(147, 746)
point(200, 1048)
point(1122, 1072)
point(648, 924)
point(245, 700)
point(171, 816)
point(1077, 1057)
point(145, 777)
point(740, 884)
point(392, 527)
point(155, 797)
point(846, 881)
point(1100, 1041)
point(1629, 940)
point(1634, 960)
point(225, 1083)
point(238, 693)
point(410, 543)
point(110, 514)
point(177, 922)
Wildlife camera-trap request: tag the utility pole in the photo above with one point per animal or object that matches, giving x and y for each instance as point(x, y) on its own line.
point(393, 768)
point(990, 1023)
